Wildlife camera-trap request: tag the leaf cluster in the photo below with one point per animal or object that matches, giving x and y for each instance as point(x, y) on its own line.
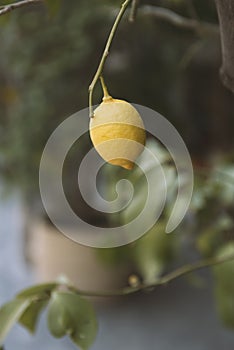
point(67, 314)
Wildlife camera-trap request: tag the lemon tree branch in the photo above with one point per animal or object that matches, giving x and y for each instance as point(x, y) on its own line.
point(10, 7)
point(164, 280)
point(133, 11)
point(179, 21)
point(105, 54)
point(225, 11)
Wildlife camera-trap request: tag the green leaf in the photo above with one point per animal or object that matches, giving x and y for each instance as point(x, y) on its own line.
point(224, 286)
point(10, 313)
point(70, 314)
point(58, 318)
point(53, 6)
point(40, 289)
point(30, 317)
point(86, 324)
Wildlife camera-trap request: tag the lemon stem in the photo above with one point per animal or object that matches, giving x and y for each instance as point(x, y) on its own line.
point(106, 95)
point(105, 54)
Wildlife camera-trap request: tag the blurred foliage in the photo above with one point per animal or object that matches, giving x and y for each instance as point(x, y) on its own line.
point(53, 6)
point(213, 205)
point(207, 230)
point(44, 69)
point(154, 251)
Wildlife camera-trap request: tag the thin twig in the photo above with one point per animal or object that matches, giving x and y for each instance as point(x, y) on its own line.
point(225, 10)
point(177, 20)
point(105, 54)
point(10, 7)
point(133, 11)
point(184, 270)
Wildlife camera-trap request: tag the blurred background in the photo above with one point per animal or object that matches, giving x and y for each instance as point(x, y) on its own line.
point(49, 55)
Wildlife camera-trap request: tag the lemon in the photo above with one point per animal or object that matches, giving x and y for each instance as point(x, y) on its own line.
point(117, 132)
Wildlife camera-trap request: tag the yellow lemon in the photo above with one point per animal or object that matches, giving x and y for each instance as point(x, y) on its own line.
point(117, 132)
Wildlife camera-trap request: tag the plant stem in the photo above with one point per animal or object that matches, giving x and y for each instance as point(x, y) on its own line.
point(167, 15)
point(10, 7)
point(184, 270)
point(133, 11)
point(105, 54)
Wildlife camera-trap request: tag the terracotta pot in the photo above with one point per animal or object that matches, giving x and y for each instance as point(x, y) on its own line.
point(53, 255)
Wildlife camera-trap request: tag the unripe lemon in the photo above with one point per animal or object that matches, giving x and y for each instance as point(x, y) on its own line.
point(117, 132)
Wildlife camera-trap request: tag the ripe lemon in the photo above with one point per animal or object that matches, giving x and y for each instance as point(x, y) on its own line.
point(117, 132)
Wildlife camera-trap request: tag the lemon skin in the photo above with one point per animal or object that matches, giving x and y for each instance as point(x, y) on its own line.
point(117, 132)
